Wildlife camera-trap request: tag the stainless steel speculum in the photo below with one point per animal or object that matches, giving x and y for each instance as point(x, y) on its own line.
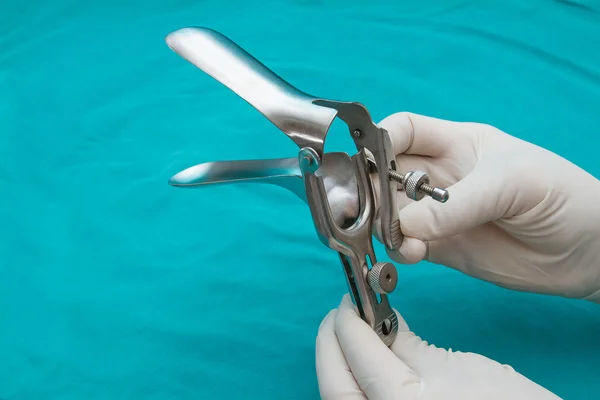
point(336, 186)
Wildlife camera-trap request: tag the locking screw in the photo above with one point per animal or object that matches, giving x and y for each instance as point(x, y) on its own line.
point(416, 185)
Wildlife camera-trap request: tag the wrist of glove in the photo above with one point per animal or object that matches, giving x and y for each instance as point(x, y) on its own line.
point(353, 363)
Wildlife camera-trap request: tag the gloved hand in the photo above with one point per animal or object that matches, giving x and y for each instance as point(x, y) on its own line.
point(353, 363)
point(518, 216)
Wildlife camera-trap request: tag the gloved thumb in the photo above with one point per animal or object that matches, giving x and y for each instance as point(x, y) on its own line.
point(377, 370)
point(489, 192)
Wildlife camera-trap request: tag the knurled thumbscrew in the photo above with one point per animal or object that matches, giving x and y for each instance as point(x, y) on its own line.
point(416, 185)
point(383, 277)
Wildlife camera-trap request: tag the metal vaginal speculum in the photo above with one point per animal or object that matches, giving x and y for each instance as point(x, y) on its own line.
point(336, 186)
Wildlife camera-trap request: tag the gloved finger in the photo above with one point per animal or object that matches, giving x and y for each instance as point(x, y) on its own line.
point(376, 221)
point(487, 193)
point(406, 163)
point(449, 374)
point(378, 371)
point(334, 376)
point(417, 354)
point(414, 250)
point(488, 243)
point(419, 134)
point(411, 251)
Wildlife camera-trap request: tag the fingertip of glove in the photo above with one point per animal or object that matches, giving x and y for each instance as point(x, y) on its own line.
point(346, 314)
point(411, 251)
point(416, 216)
point(328, 320)
point(346, 304)
point(401, 130)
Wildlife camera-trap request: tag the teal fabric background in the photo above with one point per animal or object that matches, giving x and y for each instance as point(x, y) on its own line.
point(114, 285)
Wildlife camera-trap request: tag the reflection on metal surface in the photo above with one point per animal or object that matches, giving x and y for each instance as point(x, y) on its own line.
point(286, 107)
point(336, 187)
point(337, 173)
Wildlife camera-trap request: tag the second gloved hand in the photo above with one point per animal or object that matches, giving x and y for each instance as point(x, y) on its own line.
point(353, 363)
point(518, 215)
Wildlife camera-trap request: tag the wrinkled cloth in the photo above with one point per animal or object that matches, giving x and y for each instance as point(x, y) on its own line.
point(114, 285)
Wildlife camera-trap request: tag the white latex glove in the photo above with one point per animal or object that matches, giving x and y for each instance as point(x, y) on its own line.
point(353, 363)
point(518, 216)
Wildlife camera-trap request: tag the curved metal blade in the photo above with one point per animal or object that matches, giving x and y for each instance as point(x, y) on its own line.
point(290, 109)
point(283, 172)
point(337, 170)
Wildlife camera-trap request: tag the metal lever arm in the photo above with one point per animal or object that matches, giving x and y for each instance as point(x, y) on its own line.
point(304, 118)
point(336, 171)
point(367, 135)
point(353, 244)
point(288, 108)
point(340, 195)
